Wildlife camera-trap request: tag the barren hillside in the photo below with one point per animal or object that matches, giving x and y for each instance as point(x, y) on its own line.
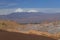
point(42, 29)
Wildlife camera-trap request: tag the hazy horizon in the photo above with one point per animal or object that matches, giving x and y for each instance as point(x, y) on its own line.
point(46, 6)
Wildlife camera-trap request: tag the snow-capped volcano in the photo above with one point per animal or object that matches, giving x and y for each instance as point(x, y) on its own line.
point(32, 11)
point(24, 10)
point(19, 10)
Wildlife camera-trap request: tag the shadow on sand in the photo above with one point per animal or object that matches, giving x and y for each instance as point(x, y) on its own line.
point(4, 35)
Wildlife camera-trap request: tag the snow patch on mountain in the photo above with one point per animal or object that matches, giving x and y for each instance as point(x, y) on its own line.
point(32, 11)
point(19, 10)
point(23, 10)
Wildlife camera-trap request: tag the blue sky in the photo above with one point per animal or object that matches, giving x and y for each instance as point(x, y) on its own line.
point(30, 3)
point(47, 6)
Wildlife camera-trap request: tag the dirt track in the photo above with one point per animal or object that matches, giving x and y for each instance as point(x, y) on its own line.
point(4, 35)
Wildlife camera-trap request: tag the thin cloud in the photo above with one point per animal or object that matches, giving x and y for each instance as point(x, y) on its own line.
point(6, 11)
point(6, 4)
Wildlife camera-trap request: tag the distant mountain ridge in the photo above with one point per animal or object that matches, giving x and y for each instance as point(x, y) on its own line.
point(31, 17)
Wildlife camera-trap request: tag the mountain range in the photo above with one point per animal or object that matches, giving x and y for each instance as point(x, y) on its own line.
point(31, 17)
